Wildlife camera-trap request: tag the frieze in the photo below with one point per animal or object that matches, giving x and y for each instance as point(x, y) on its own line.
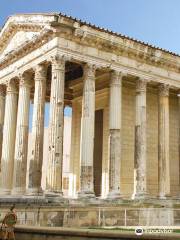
point(109, 43)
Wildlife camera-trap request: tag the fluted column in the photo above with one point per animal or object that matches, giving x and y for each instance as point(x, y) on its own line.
point(35, 166)
point(2, 111)
point(163, 146)
point(9, 132)
point(178, 95)
point(56, 126)
point(87, 133)
point(140, 141)
point(21, 145)
point(115, 114)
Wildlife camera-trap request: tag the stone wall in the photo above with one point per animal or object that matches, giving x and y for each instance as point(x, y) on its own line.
point(129, 213)
point(128, 122)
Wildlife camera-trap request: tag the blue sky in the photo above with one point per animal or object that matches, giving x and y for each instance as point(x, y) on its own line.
point(154, 21)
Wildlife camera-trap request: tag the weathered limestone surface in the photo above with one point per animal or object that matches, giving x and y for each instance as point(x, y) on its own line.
point(174, 144)
point(105, 159)
point(35, 167)
point(152, 141)
point(9, 132)
point(29, 41)
point(2, 111)
point(140, 141)
point(127, 214)
point(179, 130)
point(87, 133)
point(55, 158)
point(21, 145)
point(115, 134)
point(163, 152)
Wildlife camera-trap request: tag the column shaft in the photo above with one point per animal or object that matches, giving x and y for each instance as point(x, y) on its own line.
point(55, 154)
point(7, 160)
point(87, 133)
point(21, 145)
point(140, 141)
point(35, 167)
point(115, 110)
point(163, 146)
point(2, 111)
point(179, 134)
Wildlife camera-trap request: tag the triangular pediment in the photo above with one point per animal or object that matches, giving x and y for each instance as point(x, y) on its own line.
point(21, 29)
point(18, 40)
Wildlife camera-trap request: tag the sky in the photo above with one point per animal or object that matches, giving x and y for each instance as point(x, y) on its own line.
point(153, 21)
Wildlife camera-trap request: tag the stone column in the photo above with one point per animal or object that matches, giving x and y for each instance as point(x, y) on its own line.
point(9, 132)
point(35, 166)
point(2, 110)
point(56, 123)
point(115, 109)
point(140, 141)
point(87, 134)
point(163, 146)
point(178, 95)
point(21, 145)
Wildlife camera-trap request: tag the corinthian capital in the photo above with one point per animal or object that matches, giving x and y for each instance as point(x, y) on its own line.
point(141, 85)
point(12, 87)
point(58, 62)
point(40, 72)
point(25, 79)
point(164, 90)
point(89, 71)
point(116, 77)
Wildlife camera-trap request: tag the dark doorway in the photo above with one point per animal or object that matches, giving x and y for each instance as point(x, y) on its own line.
point(98, 146)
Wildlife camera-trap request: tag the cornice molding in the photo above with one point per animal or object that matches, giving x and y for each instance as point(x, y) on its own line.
point(87, 36)
point(127, 48)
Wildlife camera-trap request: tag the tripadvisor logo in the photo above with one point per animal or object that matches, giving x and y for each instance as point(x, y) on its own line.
point(139, 231)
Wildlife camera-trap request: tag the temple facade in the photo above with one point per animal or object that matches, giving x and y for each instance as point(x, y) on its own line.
point(124, 96)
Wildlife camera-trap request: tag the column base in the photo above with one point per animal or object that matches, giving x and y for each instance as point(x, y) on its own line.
point(50, 194)
point(53, 197)
point(164, 196)
point(18, 192)
point(140, 196)
point(85, 195)
point(5, 192)
point(34, 192)
point(114, 195)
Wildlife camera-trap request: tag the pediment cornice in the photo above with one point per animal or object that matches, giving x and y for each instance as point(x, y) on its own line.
point(13, 28)
point(37, 41)
point(24, 22)
point(33, 30)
